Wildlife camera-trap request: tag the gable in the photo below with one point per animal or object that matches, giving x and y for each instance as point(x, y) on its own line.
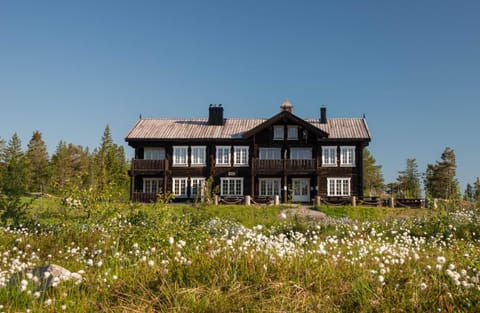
point(286, 118)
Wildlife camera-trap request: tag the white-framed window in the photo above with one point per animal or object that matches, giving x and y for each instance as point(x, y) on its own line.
point(240, 155)
point(231, 186)
point(152, 185)
point(180, 155)
point(154, 154)
point(269, 187)
point(292, 132)
point(179, 187)
point(329, 156)
point(198, 155)
point(338, 187)
point(278, 132)
point(197, 185)
point(223, 156)
point(347, 156)
point(269, 153)
point(301, 153)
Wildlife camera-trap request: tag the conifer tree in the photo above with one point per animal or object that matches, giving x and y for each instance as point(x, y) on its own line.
point(440, 181)
point(373, 184)
point(110, 164)
point(38, 163)
point(469, 193)
point(408, 182)
point(70, 166)
point(2, 164)
point(15, 168)
point(476, 192)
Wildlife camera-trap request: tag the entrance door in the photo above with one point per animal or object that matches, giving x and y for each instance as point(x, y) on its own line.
point(301, 189)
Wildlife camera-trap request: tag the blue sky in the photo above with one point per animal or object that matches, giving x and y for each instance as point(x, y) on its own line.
point(68, 68)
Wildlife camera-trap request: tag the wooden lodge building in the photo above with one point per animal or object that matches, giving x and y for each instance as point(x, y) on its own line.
point(284, 155)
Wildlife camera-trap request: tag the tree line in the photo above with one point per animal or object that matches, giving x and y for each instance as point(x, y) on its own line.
point(439, 179)
point(105, 169)
point(71, 166)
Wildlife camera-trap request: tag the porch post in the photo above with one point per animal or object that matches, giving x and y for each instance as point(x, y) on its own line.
point(285, 189)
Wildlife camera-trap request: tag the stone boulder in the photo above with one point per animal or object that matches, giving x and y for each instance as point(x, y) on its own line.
point(44, 277)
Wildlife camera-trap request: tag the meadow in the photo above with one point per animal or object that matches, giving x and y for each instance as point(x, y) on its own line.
point(194, 258)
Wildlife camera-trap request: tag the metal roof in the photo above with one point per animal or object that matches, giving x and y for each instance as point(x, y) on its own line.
point(167, 129)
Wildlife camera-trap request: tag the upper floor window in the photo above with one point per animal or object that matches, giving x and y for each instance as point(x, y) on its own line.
point(154, 154)
point(338, 187)
point(347, 156)
point(292, 133)
point(180, 155)
point(300, 153)
point(269, 154)
point(223, 156)
point(278, 132)
point(179, 187)
point(240, 156)
point(198, 155)
point(329, 156)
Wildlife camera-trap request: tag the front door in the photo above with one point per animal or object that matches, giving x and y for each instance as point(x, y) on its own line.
point(301, 190)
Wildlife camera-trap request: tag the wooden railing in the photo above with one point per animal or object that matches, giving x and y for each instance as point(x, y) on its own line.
point(144, 196)
point(138, 164)
point(309, 164)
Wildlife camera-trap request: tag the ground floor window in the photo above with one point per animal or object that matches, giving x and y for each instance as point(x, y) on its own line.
point(152, 185)
point(269, 187)
point(197, 185)
point(338, 187)
point(179, 187)
point(231, 186)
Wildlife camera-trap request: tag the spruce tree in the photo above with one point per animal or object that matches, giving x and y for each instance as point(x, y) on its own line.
point(469, 193)
point(373, 184)
point(110, 164)
point(15, 168)
point(408, 181)
point(38, 163)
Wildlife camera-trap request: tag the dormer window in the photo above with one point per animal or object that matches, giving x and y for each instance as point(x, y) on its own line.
point(278, 132)
point(292, 133)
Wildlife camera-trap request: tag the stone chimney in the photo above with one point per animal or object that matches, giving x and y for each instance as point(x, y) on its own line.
point(286, 106)
point(323, 115)
point(215, 115)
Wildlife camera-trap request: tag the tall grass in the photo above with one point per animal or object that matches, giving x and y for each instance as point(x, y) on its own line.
point(147, 258)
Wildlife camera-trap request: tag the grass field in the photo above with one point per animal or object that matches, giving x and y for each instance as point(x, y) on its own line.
point(178, 258)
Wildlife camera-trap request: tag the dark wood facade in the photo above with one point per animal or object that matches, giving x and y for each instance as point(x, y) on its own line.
point(283, 174)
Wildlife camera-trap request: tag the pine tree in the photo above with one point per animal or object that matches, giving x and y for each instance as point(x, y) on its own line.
point(440, 181)
point(38, 163)
point(15, 168)
point(373, 184)
point(409, 180)
point(70, 166)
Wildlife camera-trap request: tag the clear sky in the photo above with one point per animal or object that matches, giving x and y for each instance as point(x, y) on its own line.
point(68, 68)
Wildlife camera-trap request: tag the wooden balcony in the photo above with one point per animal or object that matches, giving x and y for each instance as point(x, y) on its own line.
point(148, 165)
point(308, 165)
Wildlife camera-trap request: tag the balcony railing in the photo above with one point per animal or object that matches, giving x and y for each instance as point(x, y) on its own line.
point(309, 164)
point(138, 164)
point(144, 196)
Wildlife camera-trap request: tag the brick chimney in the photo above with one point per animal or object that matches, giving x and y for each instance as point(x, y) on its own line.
point(215, 115)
